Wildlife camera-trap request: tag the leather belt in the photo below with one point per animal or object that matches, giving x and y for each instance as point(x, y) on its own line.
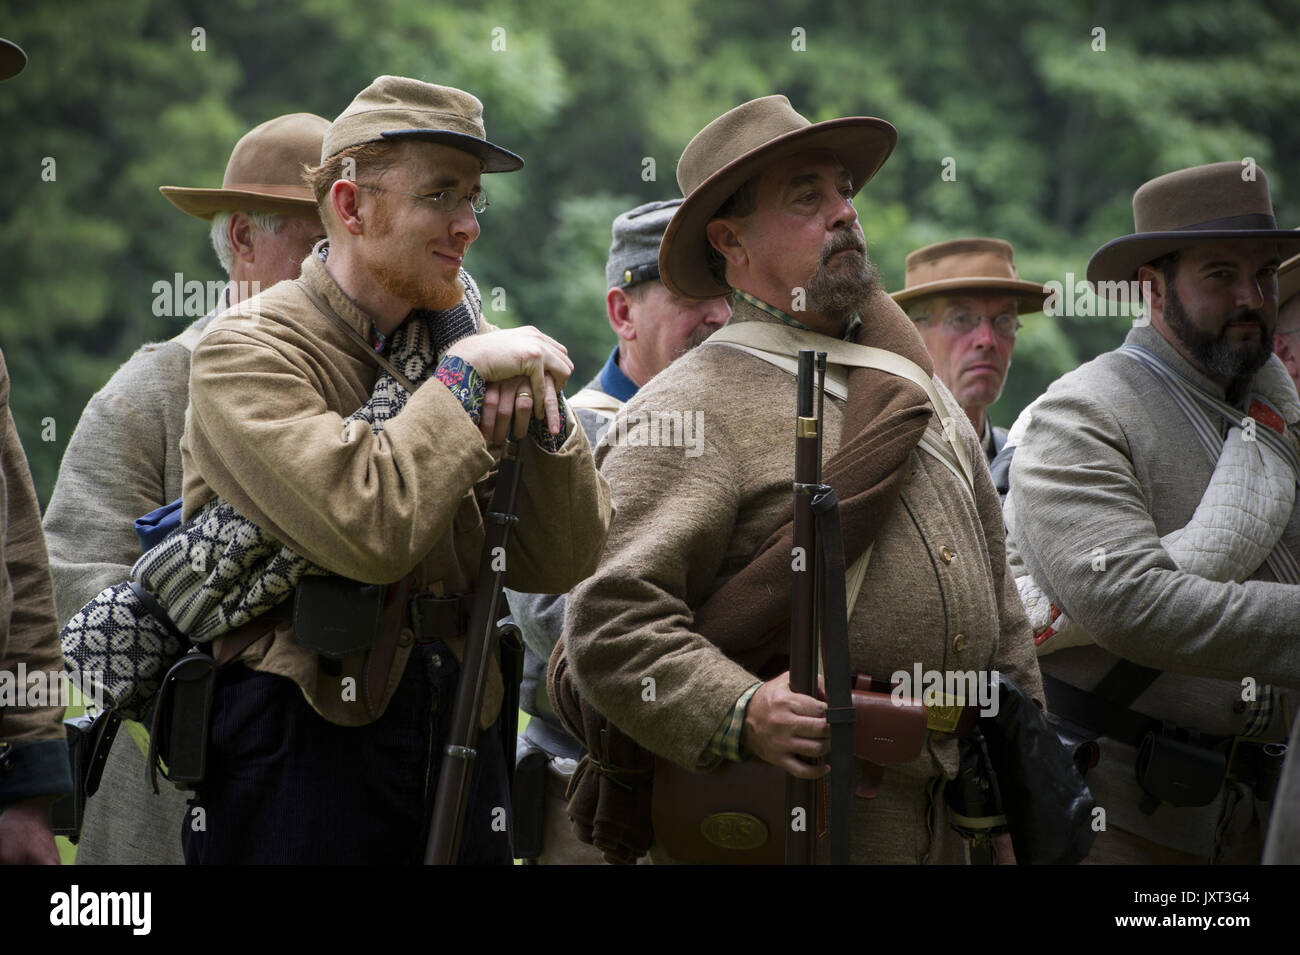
point(1103, 718)
point(436, 618)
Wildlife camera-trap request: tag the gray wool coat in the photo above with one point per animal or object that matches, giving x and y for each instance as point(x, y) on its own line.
point(1107, 466)
point(123, 460)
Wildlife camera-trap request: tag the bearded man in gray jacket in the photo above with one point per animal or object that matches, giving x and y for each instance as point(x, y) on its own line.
point(1176, 657)
point(124, 458)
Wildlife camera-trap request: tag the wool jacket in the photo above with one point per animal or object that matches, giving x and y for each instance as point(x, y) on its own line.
point(1107, 466)
point(936, 593)
point(271, 382)
point(122, 461)
point(33, 748)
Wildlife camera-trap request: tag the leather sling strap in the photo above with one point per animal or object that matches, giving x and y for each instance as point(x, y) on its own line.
point(779, 344)
point(839, 710)
point(326, 309)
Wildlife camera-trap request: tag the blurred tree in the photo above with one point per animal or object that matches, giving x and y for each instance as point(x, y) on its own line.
point(1048, 132)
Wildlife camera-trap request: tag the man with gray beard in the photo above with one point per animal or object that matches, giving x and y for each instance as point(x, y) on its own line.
point(679, 639)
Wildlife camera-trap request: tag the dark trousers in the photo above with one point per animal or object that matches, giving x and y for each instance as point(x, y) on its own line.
point(284, 785)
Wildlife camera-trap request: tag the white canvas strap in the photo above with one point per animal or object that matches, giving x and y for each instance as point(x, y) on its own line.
point(857, 572)
point(779, 345)
point(607, 406)
point(189, 338)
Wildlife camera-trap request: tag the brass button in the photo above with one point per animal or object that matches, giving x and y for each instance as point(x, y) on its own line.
point(959, 643)
point(405, 637)
point(945, 554)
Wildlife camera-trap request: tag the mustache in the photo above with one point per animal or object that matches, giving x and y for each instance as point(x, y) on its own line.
point(845, 240)
point(1248, 316)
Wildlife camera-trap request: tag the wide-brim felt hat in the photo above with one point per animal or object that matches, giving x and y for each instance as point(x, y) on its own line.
point(398, 107)
point(265, 171)
point(12, 59)
point(1288, 280)
point(737, 146)
point(968, 265)
point(1211, 203)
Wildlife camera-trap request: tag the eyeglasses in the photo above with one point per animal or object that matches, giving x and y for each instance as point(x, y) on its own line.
point(963, 323)
point(445, 201)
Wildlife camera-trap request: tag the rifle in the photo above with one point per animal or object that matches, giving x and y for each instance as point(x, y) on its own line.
point(817, 610)
point(452, 794)
point(801, 794)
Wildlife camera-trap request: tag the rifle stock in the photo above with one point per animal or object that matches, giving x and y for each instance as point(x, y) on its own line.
point(449, 805)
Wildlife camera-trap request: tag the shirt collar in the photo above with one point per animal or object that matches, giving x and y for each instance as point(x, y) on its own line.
point(613, 382)
point(317, 277)
point(850, 331)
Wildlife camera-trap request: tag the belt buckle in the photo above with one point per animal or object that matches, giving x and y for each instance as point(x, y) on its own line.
point(944, 717)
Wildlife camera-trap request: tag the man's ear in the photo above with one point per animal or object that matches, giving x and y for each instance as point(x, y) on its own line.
point(618, 306)
point(1152, 283)
point(724, 237)
point(239, 231)
point(344, 201)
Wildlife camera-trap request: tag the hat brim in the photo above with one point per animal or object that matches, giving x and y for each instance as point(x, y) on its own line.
point(862, 143)
point(12, 59)
point(1119, 259)
point(1029, 297)
point(205, 203)
point(494, 158)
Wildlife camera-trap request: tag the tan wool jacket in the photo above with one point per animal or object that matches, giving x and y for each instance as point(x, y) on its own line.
point(32, 742)
point(937, 591)
point(271, 383)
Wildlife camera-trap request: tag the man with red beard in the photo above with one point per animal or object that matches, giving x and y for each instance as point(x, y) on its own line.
point(322, 752)
point(1179, 672)
point(679, 638)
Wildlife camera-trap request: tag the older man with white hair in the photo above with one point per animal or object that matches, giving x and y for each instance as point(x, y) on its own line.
point(124, 458)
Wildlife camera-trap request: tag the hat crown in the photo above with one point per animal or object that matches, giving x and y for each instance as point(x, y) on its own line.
point(1204, 197)
point(275, 152)
point(960, 259)
point(636, 236)
point(402, 103)
point(734, 134)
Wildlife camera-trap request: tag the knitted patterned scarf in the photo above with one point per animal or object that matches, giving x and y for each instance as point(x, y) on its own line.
point(219, 570)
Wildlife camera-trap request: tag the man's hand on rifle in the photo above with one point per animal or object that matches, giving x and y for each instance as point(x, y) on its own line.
point(524, 369)
point(781, 725)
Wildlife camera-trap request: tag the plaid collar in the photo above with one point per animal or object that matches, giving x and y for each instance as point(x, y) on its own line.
point(850, 332)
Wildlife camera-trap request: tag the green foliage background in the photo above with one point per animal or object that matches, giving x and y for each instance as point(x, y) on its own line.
point(1050, 138)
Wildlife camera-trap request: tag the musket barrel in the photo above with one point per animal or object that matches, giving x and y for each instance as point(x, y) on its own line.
point(457, 766)
point(801, 801)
